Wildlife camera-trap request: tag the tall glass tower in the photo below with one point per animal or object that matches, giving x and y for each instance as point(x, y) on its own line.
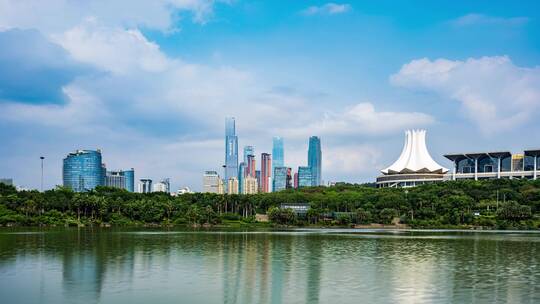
point(231, 149)
point(315, 159)
point(83, 170)
point(277, 153)
point(248, 150)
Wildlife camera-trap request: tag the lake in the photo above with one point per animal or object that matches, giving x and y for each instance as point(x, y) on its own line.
point(293, 266)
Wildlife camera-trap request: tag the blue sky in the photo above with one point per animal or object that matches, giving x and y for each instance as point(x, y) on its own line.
point(150, 82)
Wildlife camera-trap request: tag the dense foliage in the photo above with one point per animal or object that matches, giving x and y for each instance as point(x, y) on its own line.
point(491, 203)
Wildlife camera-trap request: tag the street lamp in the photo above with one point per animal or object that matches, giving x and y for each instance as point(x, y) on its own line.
point(42, 158)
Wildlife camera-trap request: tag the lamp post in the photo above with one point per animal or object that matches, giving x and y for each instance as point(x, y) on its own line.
point(41, 158)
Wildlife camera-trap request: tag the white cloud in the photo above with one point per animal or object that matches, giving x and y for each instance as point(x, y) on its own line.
point(362, 120)
point(494, 93)
point(327, 9)
point(480, 19)
point(54, 16)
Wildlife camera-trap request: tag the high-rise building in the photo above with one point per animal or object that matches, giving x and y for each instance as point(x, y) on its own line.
point(250, 166)
point(241, 176)
point(231, 149)
point(115, 179)
point(232, 185)
point(145, 185)
point(6, 181)
point(280, 178)
point(162, 186)
point(212, 182)
point(130, 179)
point(248, 150)
point(315, 160)
point(83, 170)
point(277, 153)
point(305, 178)
point(296, 180)
point(221, 187)
point(250, 185)
point(289, 179)
point(266, 167)
point(121, 179)
point(258, 177)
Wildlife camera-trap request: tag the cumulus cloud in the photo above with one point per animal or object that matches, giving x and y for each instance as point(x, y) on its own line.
point(362, 119)
point(494, 93)
point(327, 9)
point(480, 19)
point(60, 15)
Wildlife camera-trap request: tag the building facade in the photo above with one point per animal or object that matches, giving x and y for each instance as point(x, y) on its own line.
point(83, 170)
point(232, 185)
point(231, 149)
point(305, 178)
point(162, 186)
point(490, 165)
point(315, 160)
point(145, 185)
point(121, 179)
point(278, 153)
point(280, 179)
point(250, 185)
point(266, 167)
point(241, 176)
point(212, 182)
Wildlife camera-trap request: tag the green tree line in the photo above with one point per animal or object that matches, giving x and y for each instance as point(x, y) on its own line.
point(499, 203)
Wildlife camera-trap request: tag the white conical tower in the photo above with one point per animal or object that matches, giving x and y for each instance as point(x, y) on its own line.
point(414, 157)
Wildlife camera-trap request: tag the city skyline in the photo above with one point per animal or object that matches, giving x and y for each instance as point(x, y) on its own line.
point(154, 96)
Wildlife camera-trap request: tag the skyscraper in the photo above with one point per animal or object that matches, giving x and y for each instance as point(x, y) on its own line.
point(121, 179)
point(250, 166)
point(241, 176)
point(212, 183)
point(280, 178)
point(130, 179)
point(277, 153)
point(315, 160)
point(305, 178)
point(232, 185)
point(83, 170)
point(231, 149)
point(266, 165)
point(248, 150)
point(289, 178)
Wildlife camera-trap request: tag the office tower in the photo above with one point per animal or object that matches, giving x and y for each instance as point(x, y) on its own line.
point(277, 153)
point(115, 179)
point(305, 178)
point(250, 185)
point(130, 179)
point(145, 185)
point(248, 150)
point(231, 149)
point(6, 181)
point(212, 182)
point(121, 179)
point(241, 176)
point(296, 180)
point(232, 185)
point(280, 178)
point(266, 173)
point(289, 179)
point(250, 166)
point(258, 177)
point(83, 170)
point(315, 160)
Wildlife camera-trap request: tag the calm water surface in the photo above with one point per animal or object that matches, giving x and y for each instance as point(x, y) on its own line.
point(300, 266)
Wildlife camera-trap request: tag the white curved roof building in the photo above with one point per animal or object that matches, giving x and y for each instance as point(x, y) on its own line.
point(414, 166)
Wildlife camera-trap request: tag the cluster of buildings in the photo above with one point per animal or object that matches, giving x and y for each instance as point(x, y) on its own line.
point(272, 175)
point(416, 167)
point(84, 170)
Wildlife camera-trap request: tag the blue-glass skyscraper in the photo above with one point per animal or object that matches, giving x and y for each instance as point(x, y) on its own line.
point(305, 178)
point(280, 178)
point(83, 170)
point(231, 149)
point(278, 159)
point(248, 150)
point(130, 180)
point(315, 160)
point(241, 176)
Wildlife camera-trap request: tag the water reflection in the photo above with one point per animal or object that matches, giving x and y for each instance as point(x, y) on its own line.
point(111, 266)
